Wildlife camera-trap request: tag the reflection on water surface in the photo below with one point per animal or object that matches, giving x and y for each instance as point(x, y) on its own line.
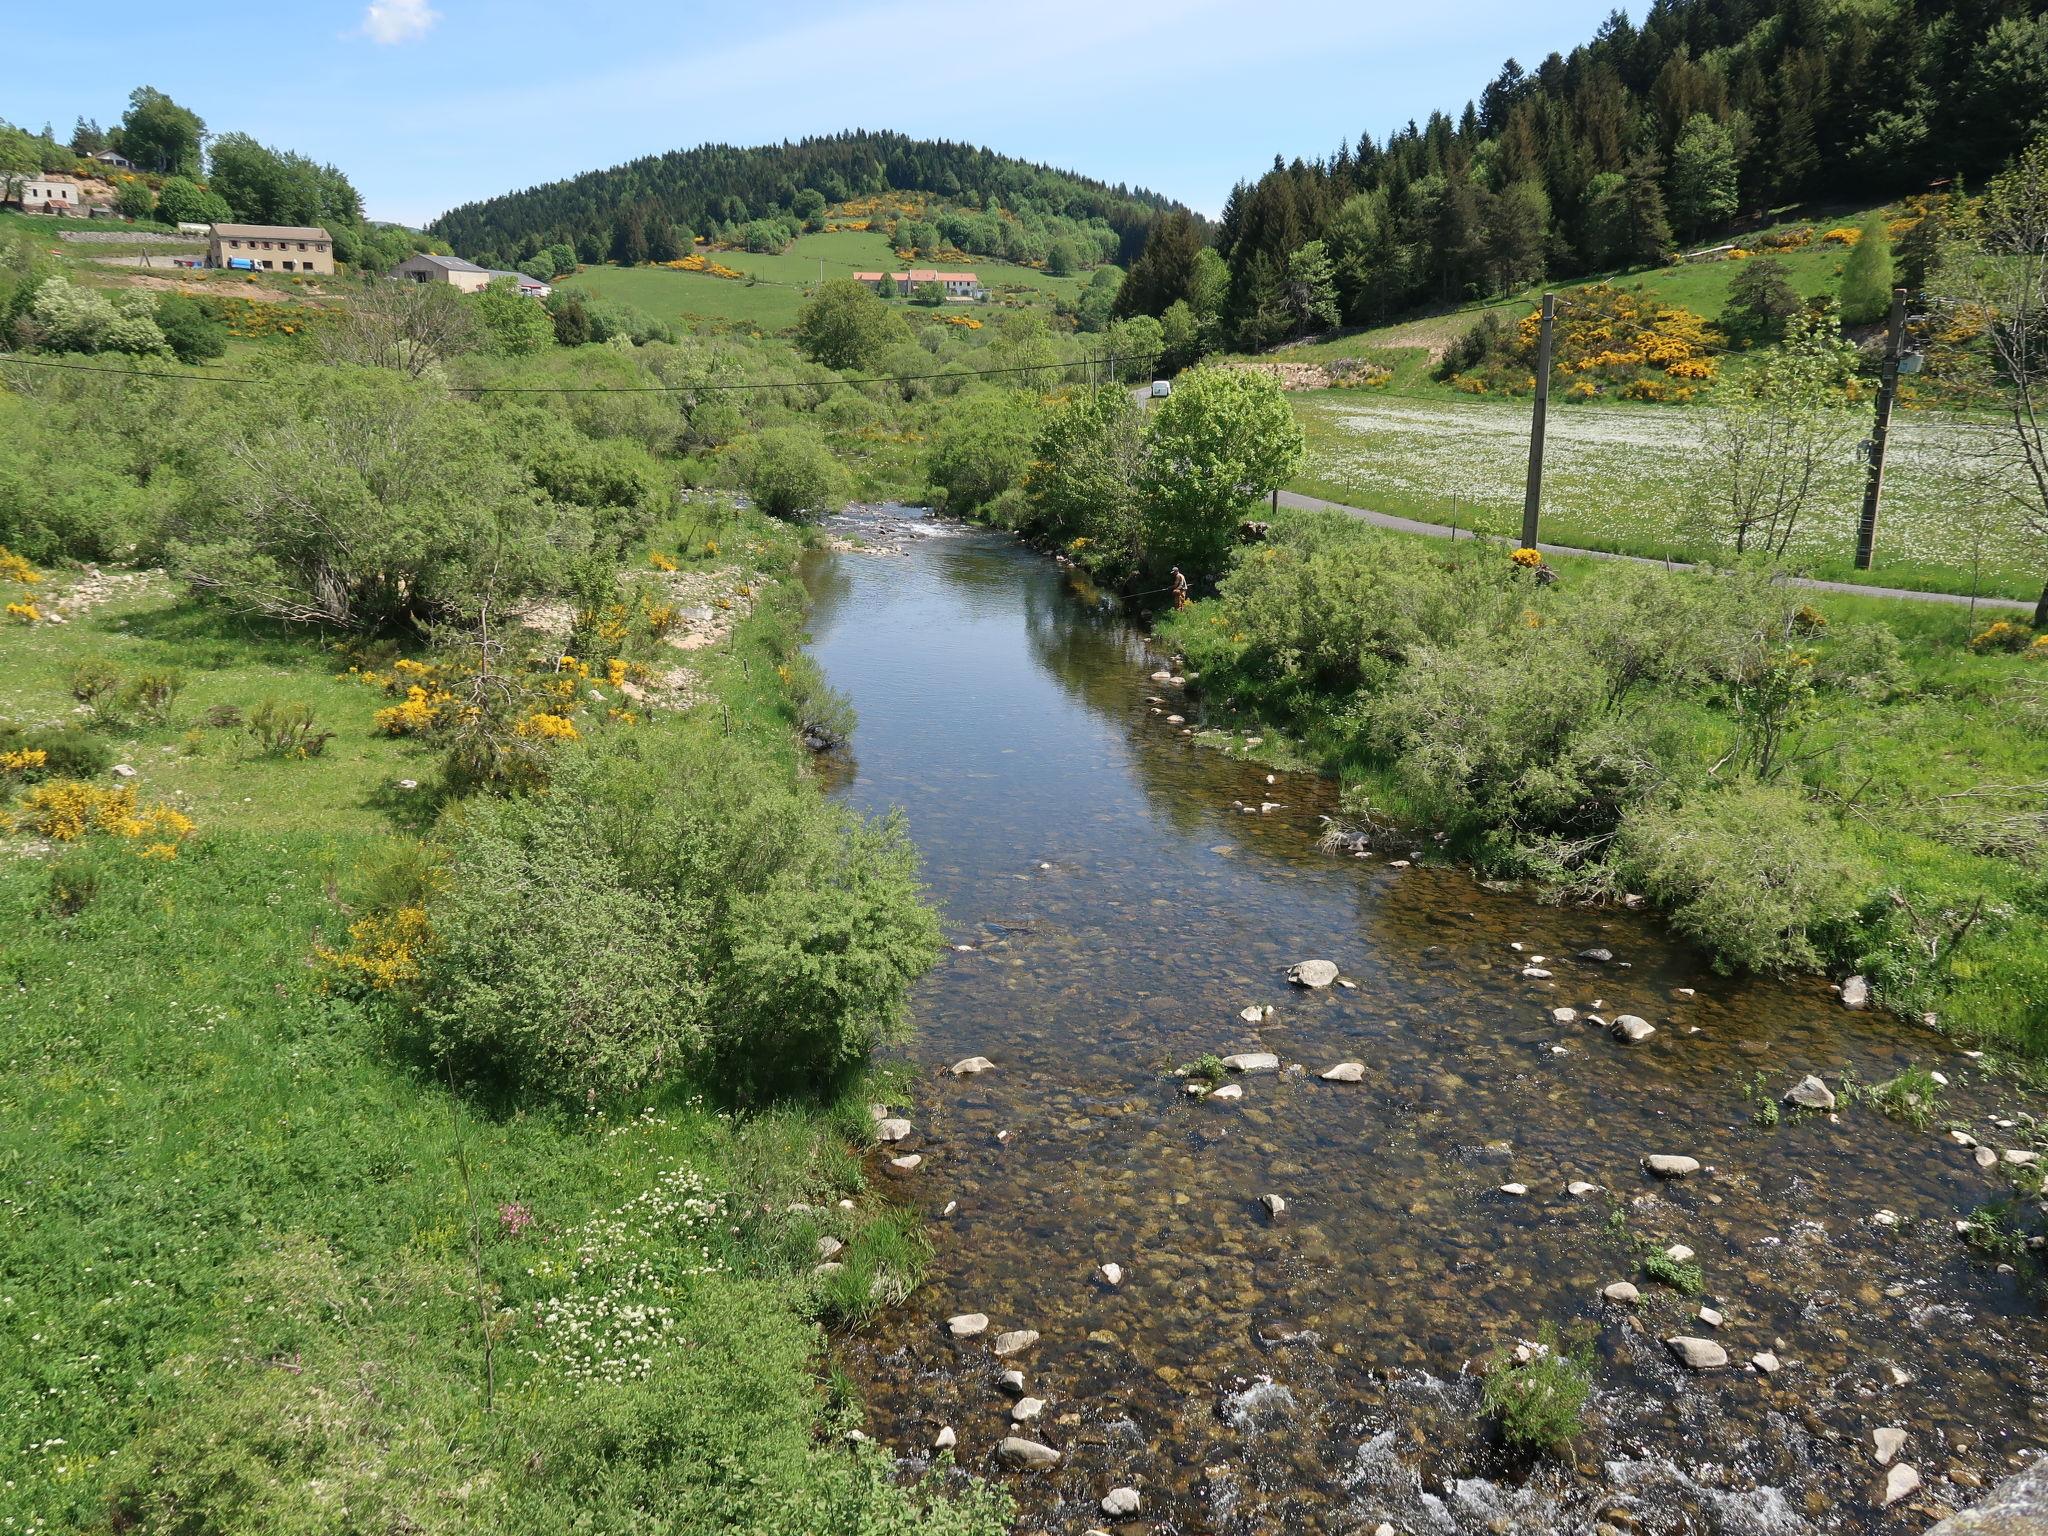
point(1314, 1372)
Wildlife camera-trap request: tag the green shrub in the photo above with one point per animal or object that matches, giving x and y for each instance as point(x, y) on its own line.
point(668, 904)
point(1540, 1402)
point(548, 970)
point(68, 752)
point(192, 332)
point(357, 498)
point(148, 697)
point(287, 730)
point(1749, 871)
point(982, 448)
point(823, 716)
point(791, 474)
point(95, 683)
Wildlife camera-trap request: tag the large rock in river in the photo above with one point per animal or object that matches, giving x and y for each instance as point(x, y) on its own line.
point(2016, 1507)
point(1312, 973)
point(1019, 1452)
point(1698, 1354)
point(1667, 1166)
point(1810, 1093)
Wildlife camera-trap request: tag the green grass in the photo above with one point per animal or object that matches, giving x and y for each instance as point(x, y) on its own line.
point(262, 1266)
point(1626, 478)
point(782, 280)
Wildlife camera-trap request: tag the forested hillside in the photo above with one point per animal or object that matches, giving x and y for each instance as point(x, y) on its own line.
point(1644, 138)
point(716, 190)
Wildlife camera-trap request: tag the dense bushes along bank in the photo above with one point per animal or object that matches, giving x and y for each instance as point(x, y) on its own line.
point(409, 1159)
point(1847, 784)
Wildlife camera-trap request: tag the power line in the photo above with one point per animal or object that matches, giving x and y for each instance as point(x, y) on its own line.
point(599, 389)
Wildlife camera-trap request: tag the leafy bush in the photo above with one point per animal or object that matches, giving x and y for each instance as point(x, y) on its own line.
point(824, 717)
point(1539, 1402)
point(64, 752)
point(982, 448)
point(790, 473)
point(664, 907)
point(192, 332)
point(356, 498)
point(73, 319)
point(1747, 870)
point(287, 730)
point(548, 970)
point(1218, 444)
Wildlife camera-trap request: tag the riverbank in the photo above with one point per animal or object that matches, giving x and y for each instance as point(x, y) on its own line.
point(1799, 779)
point(268, 1266)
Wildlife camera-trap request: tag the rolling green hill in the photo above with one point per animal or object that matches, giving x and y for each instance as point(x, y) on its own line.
point(716, 189)
point(777, 283)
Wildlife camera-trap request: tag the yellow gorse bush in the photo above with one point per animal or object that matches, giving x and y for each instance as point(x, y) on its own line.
point(23, 759)
point(542, 726)
point(419, 712)
point(24, 613)
point(2004, 635)
point(15, 568)
point(660, 561)
point(66, 810)
point(384, 950)
point(1527, 558)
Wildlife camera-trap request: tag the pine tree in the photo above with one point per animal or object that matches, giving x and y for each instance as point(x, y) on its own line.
point(1867, 277)
point(1648, 228)
point(629, 239)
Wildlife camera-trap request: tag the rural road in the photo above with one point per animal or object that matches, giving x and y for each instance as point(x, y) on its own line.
point(1441, 531)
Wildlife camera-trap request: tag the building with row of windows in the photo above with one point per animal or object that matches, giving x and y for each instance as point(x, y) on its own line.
point(271, 248)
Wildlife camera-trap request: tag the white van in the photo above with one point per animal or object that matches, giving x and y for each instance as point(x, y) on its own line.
point(1161, 388)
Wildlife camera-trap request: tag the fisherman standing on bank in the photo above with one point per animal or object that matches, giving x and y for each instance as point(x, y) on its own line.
point(1180, 589)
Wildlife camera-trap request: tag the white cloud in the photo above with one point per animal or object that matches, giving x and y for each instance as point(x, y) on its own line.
point(398, 21)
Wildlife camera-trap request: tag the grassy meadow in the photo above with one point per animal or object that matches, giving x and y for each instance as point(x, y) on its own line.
point(1700, 286)
point(781, 281)
point(1626, 478)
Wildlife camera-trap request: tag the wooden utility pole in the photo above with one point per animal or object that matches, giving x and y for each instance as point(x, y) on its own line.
point(1532, 498)
point(1873, 483)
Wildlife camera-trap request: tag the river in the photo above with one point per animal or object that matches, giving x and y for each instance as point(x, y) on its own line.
point(1112, 910)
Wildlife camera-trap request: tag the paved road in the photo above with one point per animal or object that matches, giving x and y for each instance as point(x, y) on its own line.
point(1442, 531)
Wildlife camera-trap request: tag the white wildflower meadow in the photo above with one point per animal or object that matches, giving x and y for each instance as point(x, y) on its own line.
point(1631, 479)
point(616, 1305)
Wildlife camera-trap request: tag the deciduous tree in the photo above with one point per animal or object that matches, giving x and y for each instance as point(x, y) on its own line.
point(844, 325)
point(1219, 443)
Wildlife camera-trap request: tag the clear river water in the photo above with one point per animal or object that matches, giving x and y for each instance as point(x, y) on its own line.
point(1110, 910)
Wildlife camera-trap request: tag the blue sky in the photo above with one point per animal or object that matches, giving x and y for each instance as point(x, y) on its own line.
point(430, 103)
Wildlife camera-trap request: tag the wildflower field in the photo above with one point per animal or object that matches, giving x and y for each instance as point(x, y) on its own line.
point(1627, 479)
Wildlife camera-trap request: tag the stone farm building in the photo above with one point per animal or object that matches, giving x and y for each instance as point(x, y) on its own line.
point(463, 276)
point(46, 194)
point(272, 247)
point(963, 287)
